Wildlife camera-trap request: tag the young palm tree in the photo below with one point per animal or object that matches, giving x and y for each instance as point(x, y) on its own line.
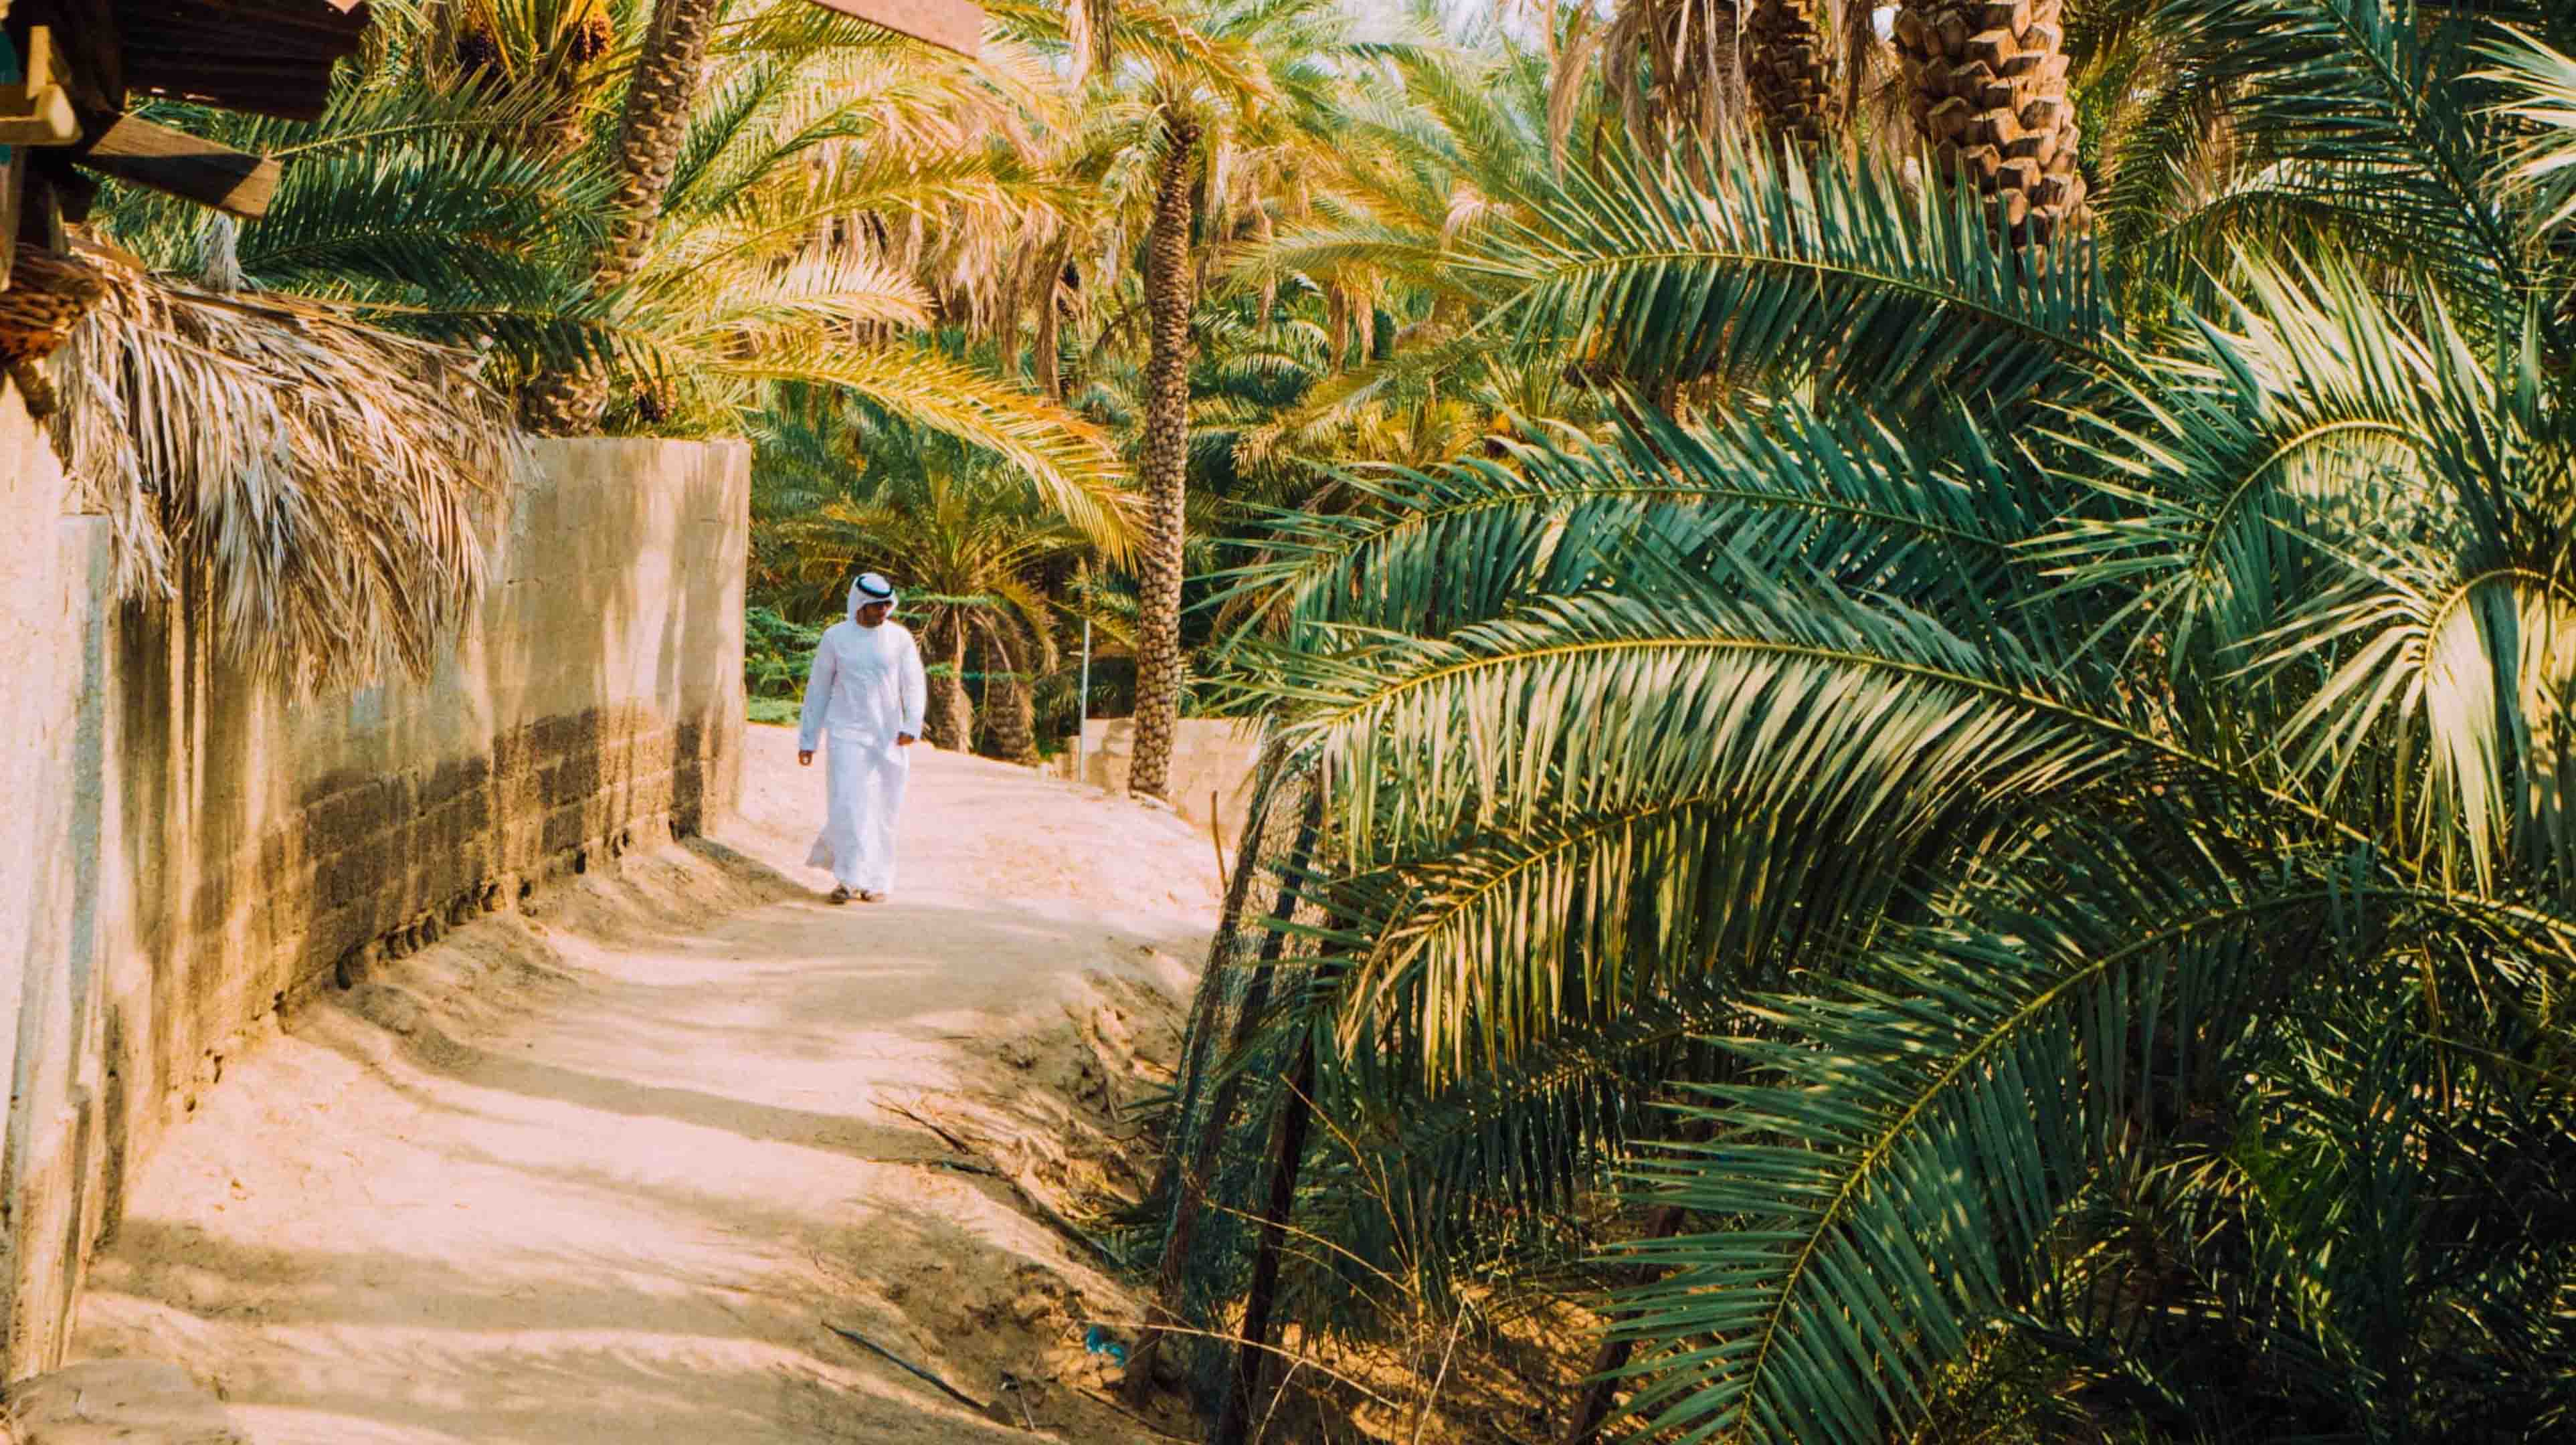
point(970, 559)
point(839, 489)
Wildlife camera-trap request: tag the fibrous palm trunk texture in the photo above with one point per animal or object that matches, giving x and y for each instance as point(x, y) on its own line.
point(1791, 70)
point(948, 719)
point(1049, 344)
point(1989, 96)
point(1010, 711)
point(1169, 281)
point(570, 401)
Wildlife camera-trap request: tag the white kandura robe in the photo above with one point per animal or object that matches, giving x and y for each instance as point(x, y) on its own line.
point(866, 686)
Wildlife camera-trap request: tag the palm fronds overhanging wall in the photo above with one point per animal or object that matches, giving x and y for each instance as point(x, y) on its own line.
point(2078, 734)
point(334, 486)
point(457, 189)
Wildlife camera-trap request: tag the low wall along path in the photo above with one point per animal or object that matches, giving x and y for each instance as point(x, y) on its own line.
point(189, 858)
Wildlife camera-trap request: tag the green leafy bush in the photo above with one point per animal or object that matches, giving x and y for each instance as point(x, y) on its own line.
point(775, 653)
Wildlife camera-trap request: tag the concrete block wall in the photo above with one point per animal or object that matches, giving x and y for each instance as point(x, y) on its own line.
point(193, 855)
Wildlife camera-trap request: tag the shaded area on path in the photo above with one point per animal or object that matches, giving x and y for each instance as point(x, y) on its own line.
point(599, 1170)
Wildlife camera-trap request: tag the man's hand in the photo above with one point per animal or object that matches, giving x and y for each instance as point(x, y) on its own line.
point(905, 740)
point(804, 757)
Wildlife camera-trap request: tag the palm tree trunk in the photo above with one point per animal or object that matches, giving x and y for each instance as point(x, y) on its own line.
point(1049, 343)
point(1012, 715)
point(1990, 99)
point(1790, 70)
point(569, 402)
point(1168, 283)
point(1601, 1393)
point(949, 720)
point(1287, 1157)
point(1184, 1182)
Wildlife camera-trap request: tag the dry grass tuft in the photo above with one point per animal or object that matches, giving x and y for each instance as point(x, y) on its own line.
point(331, 484)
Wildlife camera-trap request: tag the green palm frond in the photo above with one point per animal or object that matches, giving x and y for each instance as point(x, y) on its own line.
point(2469, 674)
point(1065, 460)
point(1731, 262)
point(2234, 459)
point(2539, 86)
point(1605, 736)
point(1495, 1165)
point(1329, 249)
point(1920, 1130)
point(1432, 551)
point(427, 222)
point(855, 289)
point(2373, 100)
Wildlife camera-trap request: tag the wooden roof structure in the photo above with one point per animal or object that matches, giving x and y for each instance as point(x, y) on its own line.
point(63, 110)
point(269, 57)
point(76, 63)
point(70, 67)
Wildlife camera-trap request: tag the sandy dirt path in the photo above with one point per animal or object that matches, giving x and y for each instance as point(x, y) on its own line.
point(599, 1170)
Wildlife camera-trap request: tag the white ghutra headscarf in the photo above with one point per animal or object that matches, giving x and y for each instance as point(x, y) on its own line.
point(871, 587)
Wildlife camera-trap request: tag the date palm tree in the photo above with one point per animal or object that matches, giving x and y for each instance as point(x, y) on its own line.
point(2038, 839)
point(1258, 79)
point(1170, 289)
point(660, 98)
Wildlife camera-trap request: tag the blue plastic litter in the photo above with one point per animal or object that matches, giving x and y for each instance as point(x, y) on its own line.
point(1097, 1341)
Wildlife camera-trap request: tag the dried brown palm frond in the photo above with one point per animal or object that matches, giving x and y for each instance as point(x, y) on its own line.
point(1676, 68)
point(330, 484)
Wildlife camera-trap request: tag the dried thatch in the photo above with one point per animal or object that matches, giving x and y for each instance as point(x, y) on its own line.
point(326, 489)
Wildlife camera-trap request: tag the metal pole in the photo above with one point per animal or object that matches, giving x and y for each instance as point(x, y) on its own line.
point(1082, 713)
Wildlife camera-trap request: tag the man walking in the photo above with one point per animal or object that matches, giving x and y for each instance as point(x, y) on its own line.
point(867, 691)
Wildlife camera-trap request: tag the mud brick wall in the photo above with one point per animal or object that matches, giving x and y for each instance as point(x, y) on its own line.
point(194, 856)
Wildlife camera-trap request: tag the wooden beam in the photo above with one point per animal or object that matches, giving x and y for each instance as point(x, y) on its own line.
point(41, 118)
point(86, 38)
point(34, 108)
point(949, 24)
point(189, 167)
point(266, 57)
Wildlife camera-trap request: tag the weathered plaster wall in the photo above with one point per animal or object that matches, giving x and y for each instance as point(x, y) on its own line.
point(52, 714)
point(206, 853)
